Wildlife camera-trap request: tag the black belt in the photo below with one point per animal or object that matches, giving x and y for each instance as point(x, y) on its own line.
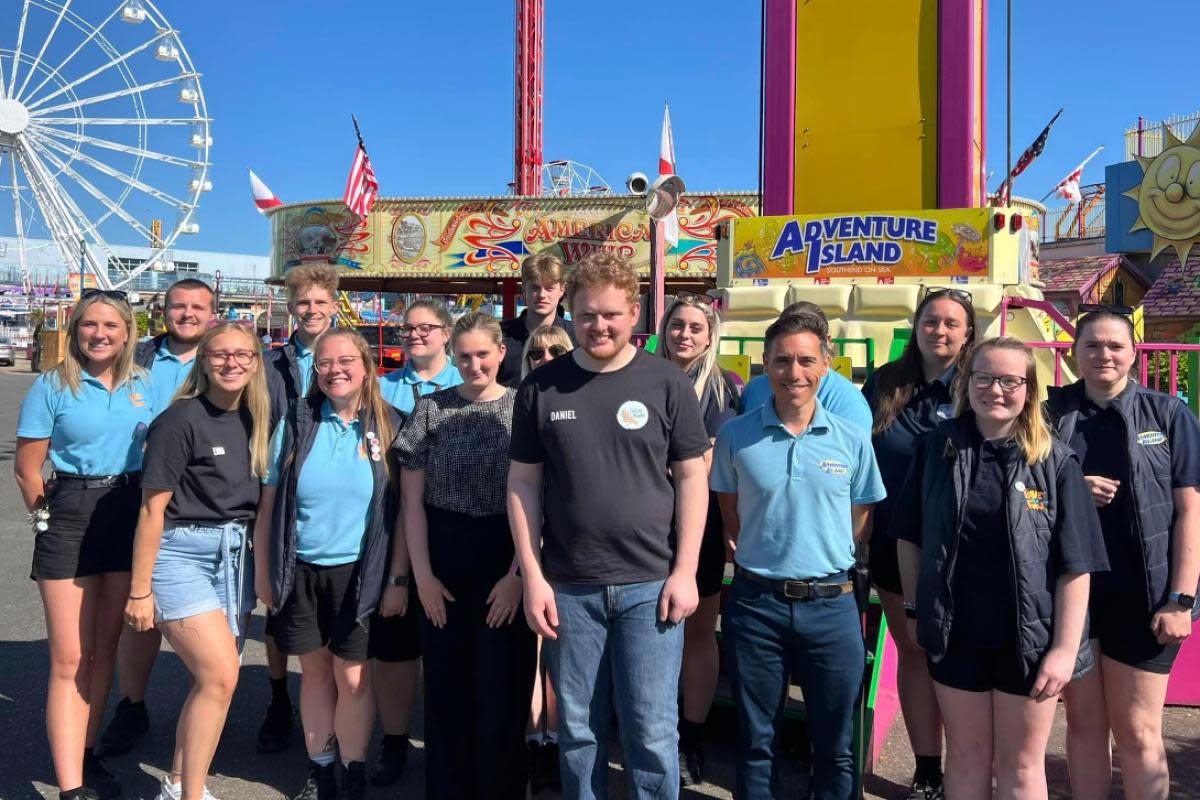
point(100, 481)
point(808, 589)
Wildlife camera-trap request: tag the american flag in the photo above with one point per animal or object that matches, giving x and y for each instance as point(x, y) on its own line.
point(1068, 187)
point(361, 185)
point(1032, 152)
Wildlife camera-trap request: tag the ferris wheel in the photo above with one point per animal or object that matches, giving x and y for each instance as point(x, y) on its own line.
point(104, 137)
point(571, 179)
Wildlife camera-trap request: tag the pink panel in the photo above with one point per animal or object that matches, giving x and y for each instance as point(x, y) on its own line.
point(779, 106)
point(1183, 688)
point(958, 88)
point(887, 701)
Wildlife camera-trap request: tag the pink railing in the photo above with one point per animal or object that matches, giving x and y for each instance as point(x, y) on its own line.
point(1147, 354)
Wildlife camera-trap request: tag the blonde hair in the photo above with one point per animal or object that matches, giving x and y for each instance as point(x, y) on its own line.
point(543, 268)
point(1031, 431)
point(254, 396)
point(370, 399)
point(300, 279)
point(70, 372)
point(603, 269)
point(546, 336)
point(709, 374)
point(478, 321)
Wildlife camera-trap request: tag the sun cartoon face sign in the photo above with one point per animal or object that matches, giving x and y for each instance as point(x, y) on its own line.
point(1169, 195)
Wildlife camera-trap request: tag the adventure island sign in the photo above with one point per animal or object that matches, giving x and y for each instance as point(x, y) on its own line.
point(489, 237)
point(885, 244)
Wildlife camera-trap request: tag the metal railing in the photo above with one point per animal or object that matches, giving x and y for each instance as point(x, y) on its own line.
point(1153, 360)
point(1149, 139)
point(1082, 220)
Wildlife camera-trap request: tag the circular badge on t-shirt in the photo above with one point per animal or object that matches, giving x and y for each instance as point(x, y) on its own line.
point(632, 415)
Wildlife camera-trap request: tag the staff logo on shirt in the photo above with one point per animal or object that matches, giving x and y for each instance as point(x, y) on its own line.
point(218, 450)
point(835, 467)
point(136, 399)
point(632, 415)
point(1035, 499)
point(1146, 438)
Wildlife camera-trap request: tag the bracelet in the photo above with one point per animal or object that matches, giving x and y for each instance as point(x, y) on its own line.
point(397, 580)
point(143, 597)
point(910, 610)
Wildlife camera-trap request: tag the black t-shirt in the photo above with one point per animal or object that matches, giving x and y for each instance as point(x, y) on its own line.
point(515, 336)
point(606, 440)
point(202, 454)
point(1098, 440)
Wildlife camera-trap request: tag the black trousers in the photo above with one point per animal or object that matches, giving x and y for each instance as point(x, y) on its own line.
point(478, 680)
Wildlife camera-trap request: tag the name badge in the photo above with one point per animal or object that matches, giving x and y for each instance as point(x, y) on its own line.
point(218, 451)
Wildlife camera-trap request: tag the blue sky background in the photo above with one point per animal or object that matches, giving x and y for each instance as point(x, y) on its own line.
point(432, 85)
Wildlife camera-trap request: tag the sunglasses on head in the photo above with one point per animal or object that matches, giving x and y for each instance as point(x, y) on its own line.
point(961, 295)
point(686, 297)
point(538, 353)
point(1124, 311)
point(111, 294)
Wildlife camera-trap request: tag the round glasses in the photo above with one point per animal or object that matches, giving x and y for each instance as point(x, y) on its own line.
point(424, 329)
point(219, 358)
point(1008, 383)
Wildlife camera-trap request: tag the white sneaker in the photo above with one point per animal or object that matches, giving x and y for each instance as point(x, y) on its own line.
point(174, 791)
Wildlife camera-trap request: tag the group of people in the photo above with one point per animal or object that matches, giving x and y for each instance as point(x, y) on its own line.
point(537, 515)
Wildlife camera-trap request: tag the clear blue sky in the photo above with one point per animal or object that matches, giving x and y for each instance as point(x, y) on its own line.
point(432, 85)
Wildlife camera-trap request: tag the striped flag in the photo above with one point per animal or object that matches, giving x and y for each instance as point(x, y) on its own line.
point(666, 166)
point(1004, 193)
point(361, 185)
point(1068, 187)
point(264, 198)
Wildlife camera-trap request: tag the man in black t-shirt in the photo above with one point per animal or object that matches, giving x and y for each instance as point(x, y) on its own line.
point(608, 445)
point(543, 282)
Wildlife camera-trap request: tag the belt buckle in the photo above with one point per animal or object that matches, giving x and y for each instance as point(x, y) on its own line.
point(797, 590)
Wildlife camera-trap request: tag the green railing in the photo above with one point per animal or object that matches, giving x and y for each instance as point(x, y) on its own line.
point(840, 346)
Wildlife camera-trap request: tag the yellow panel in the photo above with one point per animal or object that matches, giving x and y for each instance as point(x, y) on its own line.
point(866, 105)
point(843, 366)
point(738, 365)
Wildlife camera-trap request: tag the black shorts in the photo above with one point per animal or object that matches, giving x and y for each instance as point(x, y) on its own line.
point(91, 531)
point(885, 565)
point(320, 612)
point(396, 639)
point(710, 570)
point(1121, 621)
point(976, 669)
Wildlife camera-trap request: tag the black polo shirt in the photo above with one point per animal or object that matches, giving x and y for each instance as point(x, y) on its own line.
point(515, 336)
point(930, 405)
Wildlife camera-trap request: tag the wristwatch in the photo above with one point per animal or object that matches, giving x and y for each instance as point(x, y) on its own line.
point(397, 580)
point(1183, 600)
point(910, 610)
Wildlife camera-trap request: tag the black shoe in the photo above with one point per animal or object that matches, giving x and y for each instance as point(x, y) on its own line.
point(126, 729)
point(276, 728)
point(691, 764)
point(927, 790)
point(82, 793)
point(95, 775)
point(536, 763)
point(550, 768)
point(354, 781)
point(391, 760)
point(321, 783)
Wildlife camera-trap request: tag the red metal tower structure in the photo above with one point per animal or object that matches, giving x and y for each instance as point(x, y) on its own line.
point(530, 51)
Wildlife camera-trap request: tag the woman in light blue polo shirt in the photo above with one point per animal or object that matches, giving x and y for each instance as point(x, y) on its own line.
point(88, 417)
point(427, 367)
point(322, 541)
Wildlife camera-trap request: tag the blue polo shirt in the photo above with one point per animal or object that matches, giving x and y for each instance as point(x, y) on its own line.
point(167, 374)
point(795, 492)
point(402, 387)
point(836, 393)
point(333, 491)
point(304, 363)
point(95, 432)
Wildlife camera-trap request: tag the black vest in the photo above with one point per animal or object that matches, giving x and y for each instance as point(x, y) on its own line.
point(283, 380)
point(298, 437)
point(1147, 415)
point(946, 480)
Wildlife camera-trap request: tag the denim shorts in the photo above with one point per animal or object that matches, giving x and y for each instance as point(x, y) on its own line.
point(202, 567)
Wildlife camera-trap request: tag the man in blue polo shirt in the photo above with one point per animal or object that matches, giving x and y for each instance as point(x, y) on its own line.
point(188, 313)
point(838, 394)
point(795, 485)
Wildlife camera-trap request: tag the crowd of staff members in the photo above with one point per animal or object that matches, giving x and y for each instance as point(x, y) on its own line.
point(537, 516)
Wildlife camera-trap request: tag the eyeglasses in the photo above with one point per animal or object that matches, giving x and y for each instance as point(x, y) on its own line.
point(693, 297)
point(1124, 311)
point(345, 362)
point(111, 294)
point(424, 329)
point(1008, 383)
point(538, 353)
point(219, 358)
point(961, 295)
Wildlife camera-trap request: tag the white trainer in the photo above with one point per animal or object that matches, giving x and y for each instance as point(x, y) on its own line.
point(174, 791)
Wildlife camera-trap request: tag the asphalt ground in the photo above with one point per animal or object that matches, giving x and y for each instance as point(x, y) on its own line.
point(239, 773)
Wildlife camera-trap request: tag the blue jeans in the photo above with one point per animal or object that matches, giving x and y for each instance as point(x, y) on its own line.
point(771, 641)
point(613, 653)
point(202, 567)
